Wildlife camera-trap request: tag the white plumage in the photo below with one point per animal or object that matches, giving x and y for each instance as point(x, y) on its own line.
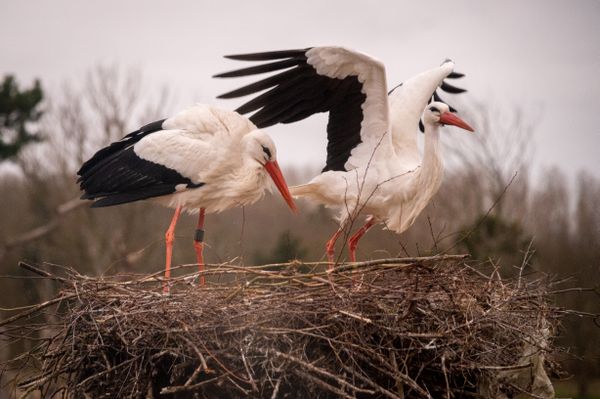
point(215, 147)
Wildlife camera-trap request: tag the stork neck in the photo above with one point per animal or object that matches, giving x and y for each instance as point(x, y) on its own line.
point(432, 166)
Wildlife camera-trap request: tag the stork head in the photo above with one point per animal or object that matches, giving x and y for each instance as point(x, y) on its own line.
point(438, 113)
point(261, 149)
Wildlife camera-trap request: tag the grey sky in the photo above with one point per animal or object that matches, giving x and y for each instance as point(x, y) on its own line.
point(540, 55)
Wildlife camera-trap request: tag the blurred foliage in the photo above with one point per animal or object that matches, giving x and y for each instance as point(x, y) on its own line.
point(569, 389)
point(496, 237)
point(287, 248)
point(19, 109)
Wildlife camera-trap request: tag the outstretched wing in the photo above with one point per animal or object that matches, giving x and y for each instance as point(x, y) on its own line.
point(407, 102)
point(349, 85)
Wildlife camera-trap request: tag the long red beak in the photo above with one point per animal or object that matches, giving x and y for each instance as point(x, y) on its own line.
point(448, 118)
point(272, 168)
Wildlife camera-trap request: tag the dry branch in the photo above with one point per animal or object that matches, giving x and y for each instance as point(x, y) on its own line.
point(40, 231)
point(393, 328)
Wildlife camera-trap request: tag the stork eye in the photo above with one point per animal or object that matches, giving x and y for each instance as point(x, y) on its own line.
point(267, 151)
point(434, 109)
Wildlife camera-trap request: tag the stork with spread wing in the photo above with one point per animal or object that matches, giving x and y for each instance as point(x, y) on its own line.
point(373, 163)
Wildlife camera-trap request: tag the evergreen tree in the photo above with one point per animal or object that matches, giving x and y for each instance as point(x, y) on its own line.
point(288, 247)
point(497, 238)
point(18, 111)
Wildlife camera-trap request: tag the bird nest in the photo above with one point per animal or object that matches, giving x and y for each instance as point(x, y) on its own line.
point(430, 327)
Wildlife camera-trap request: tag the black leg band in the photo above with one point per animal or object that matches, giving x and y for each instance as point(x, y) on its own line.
point(199, 236)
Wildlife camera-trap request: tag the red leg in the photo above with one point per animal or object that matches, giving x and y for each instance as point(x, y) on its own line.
point(353, 241)
point(169, 238)
point(330, 248)
point(199, 243)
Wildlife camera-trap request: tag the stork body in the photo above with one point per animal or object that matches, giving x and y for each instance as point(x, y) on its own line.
point(373, 164)
point(387, 189)
point(203, 160)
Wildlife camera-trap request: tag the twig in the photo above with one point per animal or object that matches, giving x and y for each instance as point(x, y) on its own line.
point(36, 309)
point(41, 231)
point(484, 218)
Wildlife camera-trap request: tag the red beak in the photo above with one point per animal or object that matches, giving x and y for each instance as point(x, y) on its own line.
point(272, 168)
point(448, 118)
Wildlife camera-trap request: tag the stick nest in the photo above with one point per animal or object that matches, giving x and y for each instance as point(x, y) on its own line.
point(394, 328)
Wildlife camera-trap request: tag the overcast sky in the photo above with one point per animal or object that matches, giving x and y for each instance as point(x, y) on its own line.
point(543, 56)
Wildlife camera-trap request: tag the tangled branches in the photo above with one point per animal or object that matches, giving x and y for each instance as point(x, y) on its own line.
point(393, 328)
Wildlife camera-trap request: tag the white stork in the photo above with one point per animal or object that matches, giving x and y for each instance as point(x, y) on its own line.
point(373, 163)
point(203, 159)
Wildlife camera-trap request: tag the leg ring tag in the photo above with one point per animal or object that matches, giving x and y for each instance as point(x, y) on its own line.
point(199, 236)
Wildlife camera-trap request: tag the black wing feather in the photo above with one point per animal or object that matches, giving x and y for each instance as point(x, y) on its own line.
point(436, 97)
point(287, 100)
point(260, 85)
point(118, 199)
point(253, 70)
point(116, 174)
point(455, 75)
point(286, 91)
point(299, 92)
point(117, 146)
point(268, 55)
point(448, 88)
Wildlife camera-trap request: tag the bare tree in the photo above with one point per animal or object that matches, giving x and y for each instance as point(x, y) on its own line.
point(501, 147)
point(109, 104)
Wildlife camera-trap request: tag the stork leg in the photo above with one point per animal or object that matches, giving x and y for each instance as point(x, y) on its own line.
point(169, 238)
point(199, 243)
point(353, 241)
point(330, 248)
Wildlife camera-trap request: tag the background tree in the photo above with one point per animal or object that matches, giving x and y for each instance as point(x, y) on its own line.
point(19, 110)
point(287, 248)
